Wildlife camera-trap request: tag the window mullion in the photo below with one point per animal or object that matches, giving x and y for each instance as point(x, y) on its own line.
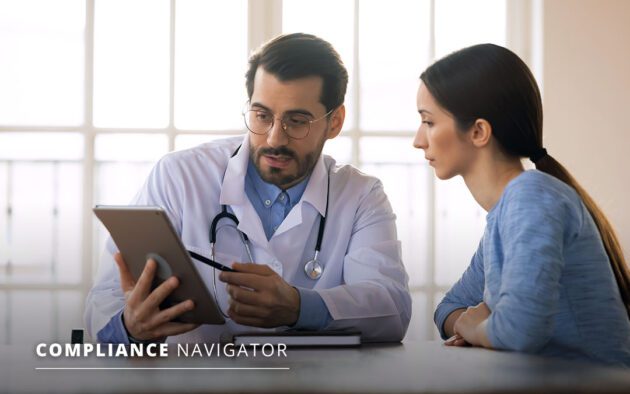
point(264, 20)
point(88, 153)
point(355, 133)
point(430, 192)
point(171, 132)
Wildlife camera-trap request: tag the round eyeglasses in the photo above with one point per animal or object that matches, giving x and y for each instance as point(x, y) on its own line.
point(295, 125)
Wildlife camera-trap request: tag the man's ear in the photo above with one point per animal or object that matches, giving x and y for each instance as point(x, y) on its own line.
point(336, 122)
point(480, 133)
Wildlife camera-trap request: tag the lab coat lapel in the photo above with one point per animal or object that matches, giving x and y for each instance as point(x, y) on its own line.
point(314, 194)
point(233, 195)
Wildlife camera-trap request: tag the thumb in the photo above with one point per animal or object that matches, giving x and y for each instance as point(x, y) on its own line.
point(127, 282)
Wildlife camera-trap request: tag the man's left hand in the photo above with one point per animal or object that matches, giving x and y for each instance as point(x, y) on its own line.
point(259, 297)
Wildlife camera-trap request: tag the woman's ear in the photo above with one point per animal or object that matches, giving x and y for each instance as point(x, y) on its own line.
point(480, 134)
point(336, 123)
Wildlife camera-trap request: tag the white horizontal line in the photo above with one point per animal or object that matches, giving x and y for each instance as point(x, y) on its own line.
point(163, 368)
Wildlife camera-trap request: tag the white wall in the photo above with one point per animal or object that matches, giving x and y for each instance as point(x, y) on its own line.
point(586, 73)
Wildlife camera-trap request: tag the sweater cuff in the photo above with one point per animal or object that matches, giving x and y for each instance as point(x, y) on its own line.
point(441, 314)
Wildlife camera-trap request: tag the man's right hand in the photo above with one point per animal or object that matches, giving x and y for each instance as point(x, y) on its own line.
point(142, 316)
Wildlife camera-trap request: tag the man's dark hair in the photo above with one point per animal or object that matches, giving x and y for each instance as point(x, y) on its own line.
point(294, 56)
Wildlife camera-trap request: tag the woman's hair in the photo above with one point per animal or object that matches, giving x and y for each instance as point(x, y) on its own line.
point(490, 82)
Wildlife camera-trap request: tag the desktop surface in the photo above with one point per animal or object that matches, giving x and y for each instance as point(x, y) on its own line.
point(414, 367)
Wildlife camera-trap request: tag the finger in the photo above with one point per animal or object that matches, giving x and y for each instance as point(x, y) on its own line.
point(169, 314)
point(252, 268)
point(246, 320)
point(247, 311)
point(143, 286)
point(451, 340)
point(155, 298)
point(170, 329)
point(126, 279)
point(244, 296)
point(253, 281)
point(460, 343)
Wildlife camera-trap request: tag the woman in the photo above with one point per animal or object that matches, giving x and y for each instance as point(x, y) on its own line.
point(549, 276)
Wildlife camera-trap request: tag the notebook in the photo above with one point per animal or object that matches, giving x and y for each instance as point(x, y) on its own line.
point(299, 338)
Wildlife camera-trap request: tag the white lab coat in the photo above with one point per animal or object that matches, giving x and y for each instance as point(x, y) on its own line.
point(364, 283)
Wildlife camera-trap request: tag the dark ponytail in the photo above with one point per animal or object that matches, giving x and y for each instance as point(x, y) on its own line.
point(490, 82)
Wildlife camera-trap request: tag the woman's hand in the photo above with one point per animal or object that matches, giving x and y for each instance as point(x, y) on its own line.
point(471, 327)
point(456, 340)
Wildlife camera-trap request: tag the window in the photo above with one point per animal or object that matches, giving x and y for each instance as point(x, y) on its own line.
point(385, 46)
point(95, 91)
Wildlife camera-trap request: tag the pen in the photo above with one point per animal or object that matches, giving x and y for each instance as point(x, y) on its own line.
point(211, 263)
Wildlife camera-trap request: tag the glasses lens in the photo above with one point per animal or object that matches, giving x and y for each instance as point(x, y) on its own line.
point(297, 125)
point(258, 122)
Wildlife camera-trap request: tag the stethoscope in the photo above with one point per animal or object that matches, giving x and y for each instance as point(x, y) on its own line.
point(312, 268)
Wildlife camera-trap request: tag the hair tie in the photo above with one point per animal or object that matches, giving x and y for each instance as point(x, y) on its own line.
point(542, 152)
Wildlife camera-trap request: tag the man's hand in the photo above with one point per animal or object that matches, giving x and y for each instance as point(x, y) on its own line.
point(259, 297)
point(471, 325)
point(142, 315)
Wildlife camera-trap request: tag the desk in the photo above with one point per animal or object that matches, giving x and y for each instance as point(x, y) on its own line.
point(407, 367)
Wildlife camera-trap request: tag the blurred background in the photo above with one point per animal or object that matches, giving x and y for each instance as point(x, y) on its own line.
point(93, 92)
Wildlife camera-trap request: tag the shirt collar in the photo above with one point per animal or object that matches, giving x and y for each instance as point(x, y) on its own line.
point(233, 186)
point(269, 191)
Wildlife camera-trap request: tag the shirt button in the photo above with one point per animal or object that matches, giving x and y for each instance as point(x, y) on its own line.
point(267, 202)
point(275, 228)
point(282, 197)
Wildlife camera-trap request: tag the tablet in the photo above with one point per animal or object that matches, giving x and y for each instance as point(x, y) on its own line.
point(146, 231)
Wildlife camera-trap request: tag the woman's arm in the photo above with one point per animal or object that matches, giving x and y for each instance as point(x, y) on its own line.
point(468, 291)
point(533, 225)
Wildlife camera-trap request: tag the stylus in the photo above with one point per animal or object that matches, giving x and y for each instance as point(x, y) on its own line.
point(211, 263)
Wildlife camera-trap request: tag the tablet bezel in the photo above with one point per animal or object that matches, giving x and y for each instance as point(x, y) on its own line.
point(140, 230)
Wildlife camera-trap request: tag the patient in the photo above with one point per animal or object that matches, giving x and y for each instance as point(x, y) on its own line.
point(549, 276)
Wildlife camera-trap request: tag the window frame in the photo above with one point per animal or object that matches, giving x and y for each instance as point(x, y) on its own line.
point(264, 20)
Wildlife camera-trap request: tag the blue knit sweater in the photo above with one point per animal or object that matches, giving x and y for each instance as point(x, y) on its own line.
point(542, 269)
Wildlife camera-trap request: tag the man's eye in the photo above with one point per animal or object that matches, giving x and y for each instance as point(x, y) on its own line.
point(296, 121)
point(263, 116)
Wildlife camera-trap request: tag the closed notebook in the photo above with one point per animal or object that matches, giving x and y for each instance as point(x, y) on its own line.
point(300, 338)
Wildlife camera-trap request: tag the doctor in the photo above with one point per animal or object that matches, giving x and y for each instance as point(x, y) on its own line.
point(284, 195)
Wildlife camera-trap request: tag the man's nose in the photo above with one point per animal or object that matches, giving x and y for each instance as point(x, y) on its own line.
point(276, 135)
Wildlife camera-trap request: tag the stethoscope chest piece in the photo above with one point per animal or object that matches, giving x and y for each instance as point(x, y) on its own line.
point(313, 269)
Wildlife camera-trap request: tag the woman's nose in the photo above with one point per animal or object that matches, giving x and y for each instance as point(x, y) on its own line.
point(420, 141)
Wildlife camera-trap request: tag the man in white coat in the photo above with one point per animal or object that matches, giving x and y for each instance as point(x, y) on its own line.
point(283, 193)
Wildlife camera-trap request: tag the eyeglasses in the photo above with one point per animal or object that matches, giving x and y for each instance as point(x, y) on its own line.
point(296, 126)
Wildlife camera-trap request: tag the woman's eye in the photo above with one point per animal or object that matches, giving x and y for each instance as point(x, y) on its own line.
point(430, 124)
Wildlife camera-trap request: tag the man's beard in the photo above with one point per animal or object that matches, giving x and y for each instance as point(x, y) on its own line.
point(275, 176)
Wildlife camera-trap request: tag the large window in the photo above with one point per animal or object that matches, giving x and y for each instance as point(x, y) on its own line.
point(95, 91)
